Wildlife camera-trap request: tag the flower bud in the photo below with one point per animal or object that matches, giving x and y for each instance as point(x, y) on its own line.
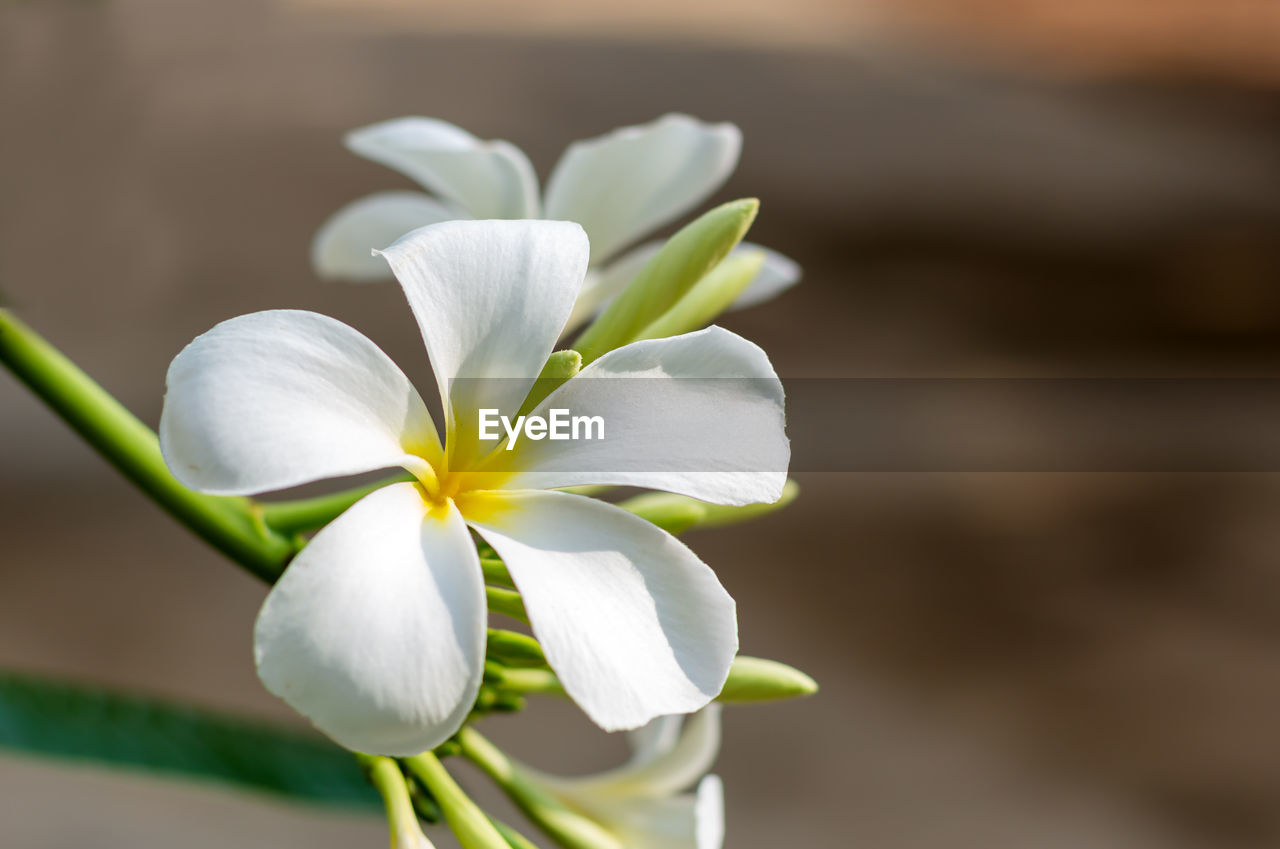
point(560, 366)
point(514, 649)
point(684, 260)
point(754, 679)
point(712, 295)
point(675, 513)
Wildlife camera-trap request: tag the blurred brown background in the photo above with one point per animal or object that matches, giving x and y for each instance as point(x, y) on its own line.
point(994, 188)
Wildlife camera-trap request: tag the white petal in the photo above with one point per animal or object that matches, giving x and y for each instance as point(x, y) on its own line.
point(776, 275)
point(700, 414)
point(653, 739)
point(633, 623)
point(489, 179)
point(670, 823)
point(604, 284)
point(685, 761)
point(710, 813)
point(623, 185)
point(490, 298)
point(376, 631)
point(280, 398)
point(678, 767)
point(343, 246)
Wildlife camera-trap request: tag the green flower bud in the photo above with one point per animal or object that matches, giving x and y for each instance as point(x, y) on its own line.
point(711, 296)
point(506, 602)
point(675, 513)
point(754, 679)
point(722, 514)
point(514, 649)
point(495, 571)
point(560, 366)
point(684, 260)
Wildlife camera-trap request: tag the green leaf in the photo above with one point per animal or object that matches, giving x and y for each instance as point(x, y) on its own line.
point(82, 723)
point(674, 270)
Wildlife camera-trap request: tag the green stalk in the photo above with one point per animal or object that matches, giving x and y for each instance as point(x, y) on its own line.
point(567, 827)
point(234, 526)
point(402, 818)
point(240, 528)
point(513, 837)
point(472, 827)
point(305, 514)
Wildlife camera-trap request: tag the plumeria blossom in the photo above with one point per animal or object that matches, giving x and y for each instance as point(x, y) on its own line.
point(620, 187)
point(376, 631)
point(641, 803)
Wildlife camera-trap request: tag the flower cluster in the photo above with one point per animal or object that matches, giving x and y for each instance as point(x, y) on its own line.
point(377, 631)
point(620, 187)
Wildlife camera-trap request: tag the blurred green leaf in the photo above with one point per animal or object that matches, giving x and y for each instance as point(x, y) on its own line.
point(62, 720)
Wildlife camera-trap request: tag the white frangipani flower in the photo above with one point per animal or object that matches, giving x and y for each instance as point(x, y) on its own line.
point(376, 631)
point(620, 187)
point(641, 803)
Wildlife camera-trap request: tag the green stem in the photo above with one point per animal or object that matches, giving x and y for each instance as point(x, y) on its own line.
point(386, 777)
point(232, 525)
point(514, 838)
point(470, 824)
point(256, 536)
point(566, 826)
point(305, 514)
